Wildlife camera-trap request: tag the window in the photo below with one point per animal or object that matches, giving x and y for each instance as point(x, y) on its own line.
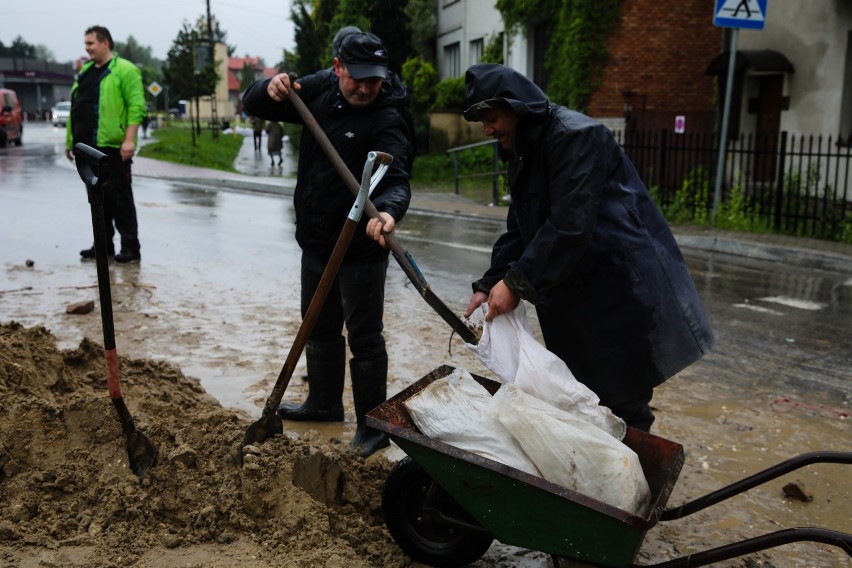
point(475, 53)
point(845, 135)
point(452, 60)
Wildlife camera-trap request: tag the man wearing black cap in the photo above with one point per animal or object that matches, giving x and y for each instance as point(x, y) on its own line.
point(587, 246)
point(359, 110)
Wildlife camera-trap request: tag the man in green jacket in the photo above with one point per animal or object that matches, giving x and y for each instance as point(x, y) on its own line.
point(107, 107)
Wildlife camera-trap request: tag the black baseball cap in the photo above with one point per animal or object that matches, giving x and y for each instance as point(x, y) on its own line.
point(340, 36)
point(364, 55)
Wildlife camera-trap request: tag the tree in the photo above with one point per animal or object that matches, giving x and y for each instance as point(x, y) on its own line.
point(219, 35)
point(421, 78)
point(310, 47)
point(423, 25)
point(317, 21)
point(577, 51)
point(139, 54)
point(19, 48)
point(182, 72)
point(44, 53)
point(388, 20)
point(493, 52)
point(248, 76)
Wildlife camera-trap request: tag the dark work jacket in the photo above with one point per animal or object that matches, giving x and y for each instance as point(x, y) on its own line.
point(322, 200)
point(586, 244)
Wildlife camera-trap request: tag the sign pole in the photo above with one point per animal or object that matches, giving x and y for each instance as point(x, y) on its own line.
point(723, 137)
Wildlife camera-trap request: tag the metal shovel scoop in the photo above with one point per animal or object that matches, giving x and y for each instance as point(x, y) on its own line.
point(141, 452)
point(270, 423)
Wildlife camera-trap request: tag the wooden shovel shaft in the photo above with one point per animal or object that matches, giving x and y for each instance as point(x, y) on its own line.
point(142, 454)
point(401, 255)
point(310, 319)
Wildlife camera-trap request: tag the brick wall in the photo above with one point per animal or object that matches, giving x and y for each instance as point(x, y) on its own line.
point(660, 54)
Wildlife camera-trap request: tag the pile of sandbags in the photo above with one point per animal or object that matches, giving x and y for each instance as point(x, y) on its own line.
point(519, 430)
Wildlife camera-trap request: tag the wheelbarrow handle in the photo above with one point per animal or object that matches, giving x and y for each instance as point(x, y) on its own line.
point(752, 481)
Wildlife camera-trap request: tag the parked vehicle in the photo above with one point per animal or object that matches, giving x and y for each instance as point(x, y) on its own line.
point(60, 112)
point(11, 118)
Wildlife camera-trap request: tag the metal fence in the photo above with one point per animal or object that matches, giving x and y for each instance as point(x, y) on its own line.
point(799, 185)
point(495, 173)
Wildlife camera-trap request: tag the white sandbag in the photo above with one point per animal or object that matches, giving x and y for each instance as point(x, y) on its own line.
point(572, 452)
point(510, 351)
point(454, 410)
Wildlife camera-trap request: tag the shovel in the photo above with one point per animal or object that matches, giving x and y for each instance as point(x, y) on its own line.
point(402, 256)
point(141, 452)
point(270, 423)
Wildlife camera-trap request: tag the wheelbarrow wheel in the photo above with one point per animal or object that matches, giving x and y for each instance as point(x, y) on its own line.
point(432, 542)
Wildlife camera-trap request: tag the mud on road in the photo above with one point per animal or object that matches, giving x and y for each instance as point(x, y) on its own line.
point(68, 497)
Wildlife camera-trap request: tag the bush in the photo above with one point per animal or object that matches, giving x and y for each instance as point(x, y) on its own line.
point(449, 94)
point(421, 78)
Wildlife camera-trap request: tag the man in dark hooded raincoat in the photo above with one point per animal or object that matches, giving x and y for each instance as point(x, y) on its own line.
point(587, 246)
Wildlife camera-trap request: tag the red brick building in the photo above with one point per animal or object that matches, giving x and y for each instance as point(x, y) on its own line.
point(660, 54)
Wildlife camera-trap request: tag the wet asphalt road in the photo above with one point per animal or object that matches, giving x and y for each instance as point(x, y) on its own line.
point(788, 323)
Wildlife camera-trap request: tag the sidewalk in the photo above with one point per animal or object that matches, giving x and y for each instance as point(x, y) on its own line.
point(258, 176)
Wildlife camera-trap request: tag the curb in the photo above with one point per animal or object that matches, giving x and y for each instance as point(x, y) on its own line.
point(285, 188)
point(803, 257)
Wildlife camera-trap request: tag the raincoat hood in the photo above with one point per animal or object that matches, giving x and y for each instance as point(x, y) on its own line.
point(489, 85)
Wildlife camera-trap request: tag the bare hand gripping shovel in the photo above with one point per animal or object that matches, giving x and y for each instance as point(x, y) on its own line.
point(141, 452)
point(406, 262)
point(270, 423)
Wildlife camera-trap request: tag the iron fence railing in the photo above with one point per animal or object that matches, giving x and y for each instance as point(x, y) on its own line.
point(495, 173)
point(791, 184)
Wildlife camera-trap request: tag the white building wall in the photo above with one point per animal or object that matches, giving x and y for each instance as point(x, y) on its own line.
point(814, 37)
point(461, 22)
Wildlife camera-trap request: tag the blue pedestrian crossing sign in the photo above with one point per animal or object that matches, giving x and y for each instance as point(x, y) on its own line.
point(748, 14)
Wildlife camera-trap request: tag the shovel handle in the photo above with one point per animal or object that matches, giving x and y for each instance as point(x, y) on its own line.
point(326, 280)
point(142, 454)
point(401, 255)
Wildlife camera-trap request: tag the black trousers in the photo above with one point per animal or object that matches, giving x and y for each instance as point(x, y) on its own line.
point(631, 403)
point(356, 299)
point(119, 208)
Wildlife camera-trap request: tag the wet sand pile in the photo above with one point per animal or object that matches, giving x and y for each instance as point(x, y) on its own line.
point(69, 498)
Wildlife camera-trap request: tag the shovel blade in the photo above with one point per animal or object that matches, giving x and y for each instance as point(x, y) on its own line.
point(142, 453)
point(268, 426)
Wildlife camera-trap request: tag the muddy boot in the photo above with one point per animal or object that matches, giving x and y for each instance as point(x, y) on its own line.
point(326, 369)
point(369, 389)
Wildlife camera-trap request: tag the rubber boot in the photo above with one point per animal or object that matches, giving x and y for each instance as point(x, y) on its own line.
point(326, 370)
point(369, 389)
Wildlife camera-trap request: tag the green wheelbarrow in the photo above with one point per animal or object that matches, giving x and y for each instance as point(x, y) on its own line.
point(445, 506)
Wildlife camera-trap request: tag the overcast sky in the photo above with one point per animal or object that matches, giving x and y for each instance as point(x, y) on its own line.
point(255, 27)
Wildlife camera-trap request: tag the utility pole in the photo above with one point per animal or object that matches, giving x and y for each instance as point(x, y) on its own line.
point(214, 118)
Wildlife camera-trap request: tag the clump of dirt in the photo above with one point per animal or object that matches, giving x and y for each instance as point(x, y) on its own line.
point(68, 496)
